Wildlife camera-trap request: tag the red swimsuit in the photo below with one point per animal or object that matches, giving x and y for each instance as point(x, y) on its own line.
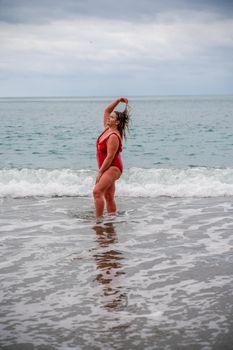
point(101, 151)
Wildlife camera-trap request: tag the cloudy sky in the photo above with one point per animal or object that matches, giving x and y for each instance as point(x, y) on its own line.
point(120, 47)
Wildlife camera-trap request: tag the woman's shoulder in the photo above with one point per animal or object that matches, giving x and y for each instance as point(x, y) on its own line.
point(115, 135)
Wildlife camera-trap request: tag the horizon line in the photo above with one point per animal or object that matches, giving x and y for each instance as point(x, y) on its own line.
point(113, 96)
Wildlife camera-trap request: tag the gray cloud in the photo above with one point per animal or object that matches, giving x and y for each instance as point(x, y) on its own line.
point(43, 11)
point(112, 47)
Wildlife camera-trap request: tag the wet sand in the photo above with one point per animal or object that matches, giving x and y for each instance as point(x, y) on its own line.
point(157, 276)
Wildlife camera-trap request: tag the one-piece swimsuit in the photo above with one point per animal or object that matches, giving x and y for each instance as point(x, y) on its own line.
point(101, 151)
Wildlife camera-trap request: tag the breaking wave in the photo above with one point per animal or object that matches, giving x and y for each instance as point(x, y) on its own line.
point(135, 182)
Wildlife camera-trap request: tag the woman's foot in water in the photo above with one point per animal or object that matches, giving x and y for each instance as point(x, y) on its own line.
point(99, 219)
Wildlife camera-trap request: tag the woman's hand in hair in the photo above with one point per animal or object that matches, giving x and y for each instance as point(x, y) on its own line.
point(124, 99)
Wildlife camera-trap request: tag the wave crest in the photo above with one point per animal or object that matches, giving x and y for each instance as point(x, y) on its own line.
point(135, 182)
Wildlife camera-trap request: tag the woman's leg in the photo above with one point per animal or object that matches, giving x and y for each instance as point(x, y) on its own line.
point(110, 200)
point(107, 180)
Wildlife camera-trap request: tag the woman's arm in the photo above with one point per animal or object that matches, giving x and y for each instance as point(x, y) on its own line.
point(108, 110)
point(112, 147)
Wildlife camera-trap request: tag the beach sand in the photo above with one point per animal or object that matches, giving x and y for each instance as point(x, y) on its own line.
point(156, 276)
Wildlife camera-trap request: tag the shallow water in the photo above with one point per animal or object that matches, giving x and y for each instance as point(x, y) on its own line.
point(157, 276)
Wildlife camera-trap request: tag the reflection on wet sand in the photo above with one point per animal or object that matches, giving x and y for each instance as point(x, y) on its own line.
point(109, 267)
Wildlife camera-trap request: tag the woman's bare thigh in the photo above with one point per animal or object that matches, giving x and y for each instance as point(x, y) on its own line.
point(110, 191)
point(108, 179)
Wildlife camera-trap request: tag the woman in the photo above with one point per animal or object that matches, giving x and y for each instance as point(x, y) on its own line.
point(109, 146)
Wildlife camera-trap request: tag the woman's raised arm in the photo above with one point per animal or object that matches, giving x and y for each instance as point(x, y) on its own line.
point(108, 110)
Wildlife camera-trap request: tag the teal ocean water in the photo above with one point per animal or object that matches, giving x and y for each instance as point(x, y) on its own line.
point(165, 131)
point(174, 141)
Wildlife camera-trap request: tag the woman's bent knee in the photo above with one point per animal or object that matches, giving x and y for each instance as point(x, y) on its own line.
point(97, 193)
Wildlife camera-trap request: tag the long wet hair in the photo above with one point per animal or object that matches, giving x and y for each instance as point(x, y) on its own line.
point(124, 119)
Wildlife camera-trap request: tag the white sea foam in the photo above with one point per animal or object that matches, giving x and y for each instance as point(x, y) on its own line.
point(135, 182)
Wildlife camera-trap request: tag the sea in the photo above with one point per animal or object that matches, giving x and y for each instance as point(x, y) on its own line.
point(158, 274)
